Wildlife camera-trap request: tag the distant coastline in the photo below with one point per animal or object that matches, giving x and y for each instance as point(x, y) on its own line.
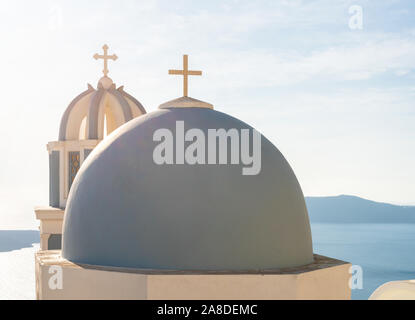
point(352, 209)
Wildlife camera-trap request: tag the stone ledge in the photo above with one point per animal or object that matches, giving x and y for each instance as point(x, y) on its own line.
point(49, 213)
point(53, 257)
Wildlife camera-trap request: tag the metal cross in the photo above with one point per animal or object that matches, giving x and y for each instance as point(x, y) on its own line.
point(185, 73)
point(105, 57)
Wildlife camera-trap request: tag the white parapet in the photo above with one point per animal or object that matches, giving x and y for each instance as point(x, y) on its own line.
point(51, 220)
point(395, 290)
point(57, 278)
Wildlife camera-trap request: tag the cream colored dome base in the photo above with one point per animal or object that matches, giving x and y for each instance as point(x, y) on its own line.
point(185, 102)
point(324, 279)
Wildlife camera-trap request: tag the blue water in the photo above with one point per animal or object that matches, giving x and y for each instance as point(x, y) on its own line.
point(386, 252)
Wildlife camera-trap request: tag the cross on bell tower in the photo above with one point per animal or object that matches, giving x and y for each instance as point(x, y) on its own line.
point(185, 73)
point(105, 57)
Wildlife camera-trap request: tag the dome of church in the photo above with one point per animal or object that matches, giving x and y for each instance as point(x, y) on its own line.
point(85, 116)
point(126, 209)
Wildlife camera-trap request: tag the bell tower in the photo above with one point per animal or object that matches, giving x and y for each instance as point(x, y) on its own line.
point(92, 115)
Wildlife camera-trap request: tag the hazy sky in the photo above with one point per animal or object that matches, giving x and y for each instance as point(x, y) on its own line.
point(339, 103)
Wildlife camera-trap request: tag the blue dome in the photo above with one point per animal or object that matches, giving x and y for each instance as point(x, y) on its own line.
point(125, 210)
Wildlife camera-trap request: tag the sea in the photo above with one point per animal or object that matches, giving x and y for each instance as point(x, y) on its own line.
point(385, 252)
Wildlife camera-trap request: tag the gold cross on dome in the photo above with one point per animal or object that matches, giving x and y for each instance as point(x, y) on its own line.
point(185, 73)
point(105, 57)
